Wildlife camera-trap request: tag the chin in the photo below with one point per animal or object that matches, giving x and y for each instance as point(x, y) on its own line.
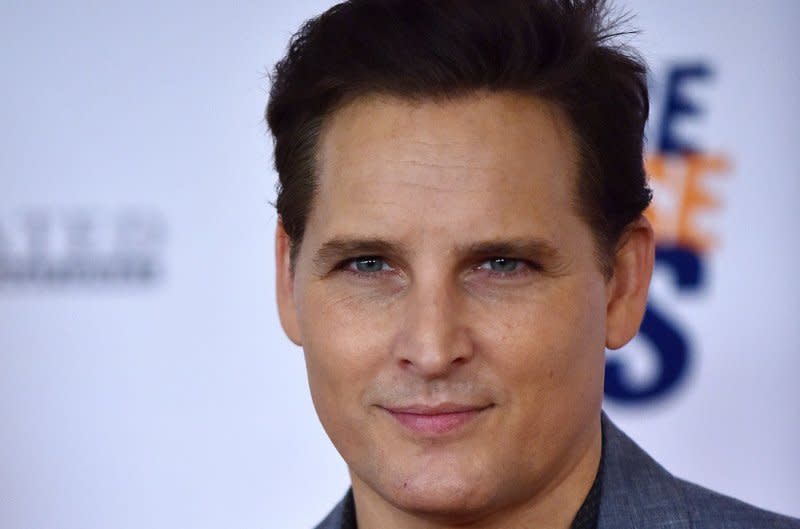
point(441, 497)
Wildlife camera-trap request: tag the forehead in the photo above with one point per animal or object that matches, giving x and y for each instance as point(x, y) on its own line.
point(503, 160)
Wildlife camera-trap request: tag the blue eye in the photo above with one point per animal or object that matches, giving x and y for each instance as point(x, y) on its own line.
point(501, 264)
point(369, 265)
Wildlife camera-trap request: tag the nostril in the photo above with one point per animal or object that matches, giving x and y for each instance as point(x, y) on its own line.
point(460, 360)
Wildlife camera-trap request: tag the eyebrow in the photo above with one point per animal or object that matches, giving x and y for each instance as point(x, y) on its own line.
point(528, 247)
point(340, 248)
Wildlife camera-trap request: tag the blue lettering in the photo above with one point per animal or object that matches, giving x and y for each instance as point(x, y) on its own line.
point(668, 342)
point(676, 105)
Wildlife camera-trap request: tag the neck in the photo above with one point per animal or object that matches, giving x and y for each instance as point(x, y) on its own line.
point(552, 505)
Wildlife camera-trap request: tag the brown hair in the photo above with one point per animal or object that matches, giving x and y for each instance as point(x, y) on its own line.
point(562, 51)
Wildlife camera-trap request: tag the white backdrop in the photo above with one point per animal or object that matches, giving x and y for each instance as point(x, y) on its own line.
point(144, 380)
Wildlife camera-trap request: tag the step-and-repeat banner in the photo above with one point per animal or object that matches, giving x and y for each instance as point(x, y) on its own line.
point(144, 380)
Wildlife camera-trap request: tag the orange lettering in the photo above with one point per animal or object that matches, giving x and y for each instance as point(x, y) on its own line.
point(680, 197)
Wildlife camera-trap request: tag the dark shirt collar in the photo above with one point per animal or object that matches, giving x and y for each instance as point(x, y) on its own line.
point(586, 517)
point(589, 511)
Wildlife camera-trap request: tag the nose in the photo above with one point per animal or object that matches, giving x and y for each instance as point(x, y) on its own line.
point(434, 338)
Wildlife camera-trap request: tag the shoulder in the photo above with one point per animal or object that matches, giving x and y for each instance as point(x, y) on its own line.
point(638, 492)
point(342, 516)
point(711, 509)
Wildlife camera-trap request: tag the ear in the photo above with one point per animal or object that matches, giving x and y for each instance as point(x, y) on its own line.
point(284, 285)
point(627, 289)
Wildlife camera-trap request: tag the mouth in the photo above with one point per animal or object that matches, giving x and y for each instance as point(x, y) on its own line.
point(436, 420)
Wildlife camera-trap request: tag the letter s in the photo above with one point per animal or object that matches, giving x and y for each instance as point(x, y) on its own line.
point(668, 342)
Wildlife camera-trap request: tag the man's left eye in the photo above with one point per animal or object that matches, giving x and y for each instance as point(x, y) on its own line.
point(501, 264)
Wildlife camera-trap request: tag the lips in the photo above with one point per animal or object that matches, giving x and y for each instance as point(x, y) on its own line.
point(436, 420)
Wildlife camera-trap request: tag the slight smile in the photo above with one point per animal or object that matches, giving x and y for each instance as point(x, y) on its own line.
point(435, 420)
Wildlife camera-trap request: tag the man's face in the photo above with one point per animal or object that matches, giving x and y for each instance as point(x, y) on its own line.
point(450, 303)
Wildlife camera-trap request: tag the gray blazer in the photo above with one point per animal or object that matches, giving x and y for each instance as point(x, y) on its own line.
point(637, 493)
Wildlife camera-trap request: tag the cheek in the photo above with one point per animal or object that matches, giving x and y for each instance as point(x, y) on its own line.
point(344, 342)
point(552, 350)
point(549, 359)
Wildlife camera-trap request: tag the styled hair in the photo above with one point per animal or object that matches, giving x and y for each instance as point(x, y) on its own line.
point(565, 52)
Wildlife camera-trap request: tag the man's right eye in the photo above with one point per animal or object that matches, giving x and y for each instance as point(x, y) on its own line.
point(367, 265)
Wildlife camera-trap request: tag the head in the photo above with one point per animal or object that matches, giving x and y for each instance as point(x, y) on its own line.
point(460, 237)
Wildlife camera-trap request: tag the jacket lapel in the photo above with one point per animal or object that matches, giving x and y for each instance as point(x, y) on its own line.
point(637, 492)
point(335, 519)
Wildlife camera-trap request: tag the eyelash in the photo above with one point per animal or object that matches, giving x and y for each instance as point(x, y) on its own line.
point(345, 266)
point(525, 267)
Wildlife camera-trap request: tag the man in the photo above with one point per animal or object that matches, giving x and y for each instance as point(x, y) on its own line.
point(460, 238)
